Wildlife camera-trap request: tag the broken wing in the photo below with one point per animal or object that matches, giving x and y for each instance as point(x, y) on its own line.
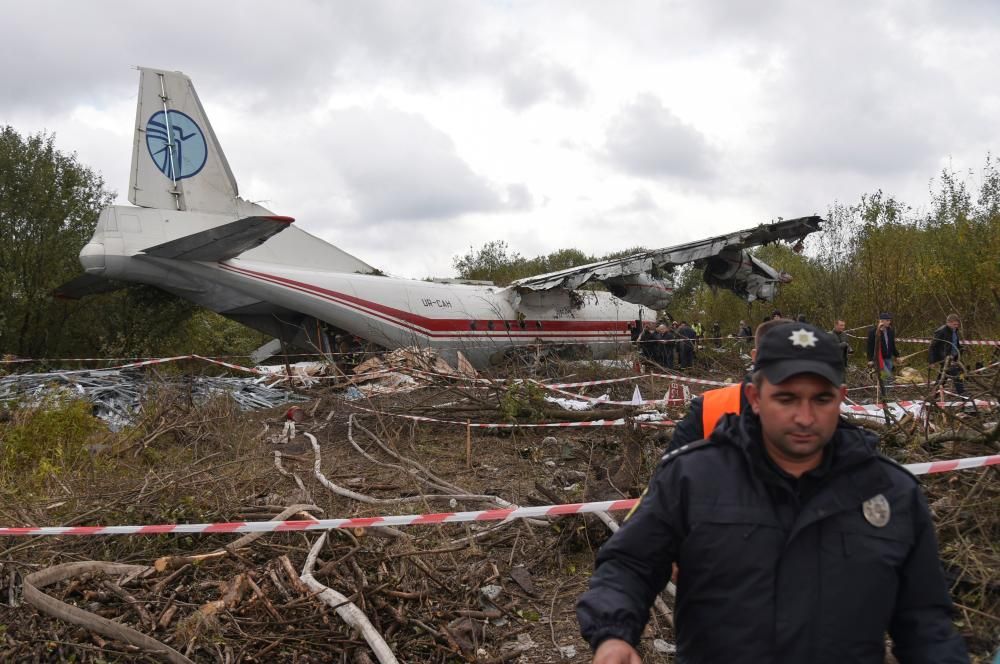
point(644, 278)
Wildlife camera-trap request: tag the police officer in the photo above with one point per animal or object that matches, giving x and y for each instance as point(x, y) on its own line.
point(796, 541)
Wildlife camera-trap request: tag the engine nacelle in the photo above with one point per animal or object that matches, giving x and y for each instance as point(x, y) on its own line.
point(642, 288)
point(744, 275)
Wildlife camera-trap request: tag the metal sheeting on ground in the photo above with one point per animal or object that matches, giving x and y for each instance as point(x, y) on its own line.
point(117, 395)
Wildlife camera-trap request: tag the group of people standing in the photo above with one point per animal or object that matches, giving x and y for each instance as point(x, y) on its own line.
point(675, 346)
point(945, 351)
point(672, 346)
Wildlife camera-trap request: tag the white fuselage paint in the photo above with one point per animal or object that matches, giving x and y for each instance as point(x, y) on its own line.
point(392, 312)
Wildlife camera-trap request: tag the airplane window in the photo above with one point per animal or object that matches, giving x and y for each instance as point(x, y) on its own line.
point(472, 324)
point(538, 324)
point(489, 325)
point(522, 324)
point(506, 324)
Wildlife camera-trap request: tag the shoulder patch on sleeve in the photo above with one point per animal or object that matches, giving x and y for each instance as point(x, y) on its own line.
point(690, 447)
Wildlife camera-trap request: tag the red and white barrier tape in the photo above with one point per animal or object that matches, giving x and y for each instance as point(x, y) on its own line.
point(907, 405)
point(211, 360)
point(607, 381)
point(507, 425)
point(609, 340)
point(412, 519)
point(963, 342)
point(954, 464)
point(325, 524)
point(153, 361)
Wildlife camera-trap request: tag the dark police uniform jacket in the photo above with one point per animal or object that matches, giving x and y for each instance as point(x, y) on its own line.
point(779, 569)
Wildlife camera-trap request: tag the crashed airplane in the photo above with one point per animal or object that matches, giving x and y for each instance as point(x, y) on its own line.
point(191, 235)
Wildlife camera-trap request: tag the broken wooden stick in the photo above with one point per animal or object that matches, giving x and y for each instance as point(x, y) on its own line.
point(173, 562)
point(347, 610)
point(33, 595)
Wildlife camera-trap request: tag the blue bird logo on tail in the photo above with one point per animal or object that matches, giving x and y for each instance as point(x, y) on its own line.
point(176, 144)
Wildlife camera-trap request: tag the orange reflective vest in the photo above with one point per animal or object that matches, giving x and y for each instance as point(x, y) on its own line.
point(716, 403)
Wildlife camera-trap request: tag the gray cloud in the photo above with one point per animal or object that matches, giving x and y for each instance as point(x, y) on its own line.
point(519, 198)
point(840, 99)
point(398, 167)
point(648, 140)
point(642, 201)
point(310, 47)
point(533, 81)
point(889, 105)
point(81, 61)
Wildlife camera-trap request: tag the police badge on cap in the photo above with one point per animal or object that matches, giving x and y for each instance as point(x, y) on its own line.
point(877, 511)
point(794, 348)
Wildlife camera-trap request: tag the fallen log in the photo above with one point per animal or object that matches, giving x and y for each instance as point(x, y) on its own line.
point(33, 596)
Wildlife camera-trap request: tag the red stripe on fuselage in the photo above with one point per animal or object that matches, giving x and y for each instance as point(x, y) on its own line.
point(436, 327)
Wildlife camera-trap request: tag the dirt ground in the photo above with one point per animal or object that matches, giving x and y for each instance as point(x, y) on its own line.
point(446, 593)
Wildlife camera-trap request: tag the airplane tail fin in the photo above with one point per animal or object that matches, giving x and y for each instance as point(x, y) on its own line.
point(177, 162)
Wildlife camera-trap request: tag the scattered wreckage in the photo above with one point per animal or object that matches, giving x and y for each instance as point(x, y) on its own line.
point(117, 395)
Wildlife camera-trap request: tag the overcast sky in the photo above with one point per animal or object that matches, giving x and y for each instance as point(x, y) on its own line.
point(406, 132)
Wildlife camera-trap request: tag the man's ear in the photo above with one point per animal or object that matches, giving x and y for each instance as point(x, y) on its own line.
point(753, 397)
point(753, 355)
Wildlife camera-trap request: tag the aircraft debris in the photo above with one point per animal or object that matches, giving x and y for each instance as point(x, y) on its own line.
point(118, 395)
point(423, 359)
point(576, 404)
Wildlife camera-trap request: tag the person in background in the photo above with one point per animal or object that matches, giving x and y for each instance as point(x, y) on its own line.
point(685, 346)
point(796, 541)
point(665, 347)
point(717, 334)
point(744, 333)
point(647, 341)
point(840, 331)
point(699, 332)
point(946, 350)
point(882, 351)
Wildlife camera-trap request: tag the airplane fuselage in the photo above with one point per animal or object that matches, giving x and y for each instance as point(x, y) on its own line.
point(262, 290)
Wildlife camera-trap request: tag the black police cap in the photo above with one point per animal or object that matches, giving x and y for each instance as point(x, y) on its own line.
point(795, 348)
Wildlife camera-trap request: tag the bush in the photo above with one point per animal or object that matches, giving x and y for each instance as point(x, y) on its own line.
point(48, 438)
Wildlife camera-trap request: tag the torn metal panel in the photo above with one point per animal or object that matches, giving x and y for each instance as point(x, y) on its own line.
point(655, 266)
point(745, 275)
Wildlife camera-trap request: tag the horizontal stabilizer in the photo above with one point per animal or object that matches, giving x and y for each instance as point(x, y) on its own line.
point(222, 242)
point(86, 284)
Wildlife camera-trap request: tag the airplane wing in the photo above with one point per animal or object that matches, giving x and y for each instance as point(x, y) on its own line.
point(86, 284)
point(222, 242)
point(643, 278)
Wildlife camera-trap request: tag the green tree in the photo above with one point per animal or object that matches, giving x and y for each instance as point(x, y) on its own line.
point(494, 261)
point(49, 204)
